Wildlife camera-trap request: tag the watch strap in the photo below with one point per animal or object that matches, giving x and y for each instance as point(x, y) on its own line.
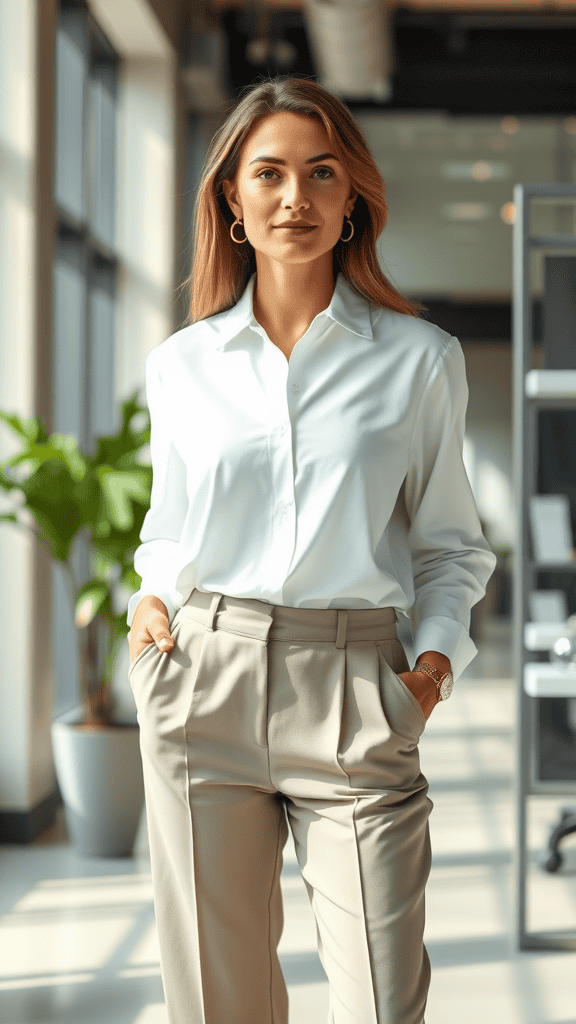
point(434, 673)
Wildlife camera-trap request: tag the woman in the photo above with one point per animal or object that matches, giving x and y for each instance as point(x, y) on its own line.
point(308, 484)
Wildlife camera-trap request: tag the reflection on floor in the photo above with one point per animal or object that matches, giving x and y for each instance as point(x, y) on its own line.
point(78, 940)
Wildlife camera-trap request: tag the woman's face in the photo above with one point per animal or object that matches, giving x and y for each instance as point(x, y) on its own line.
point(266, 193)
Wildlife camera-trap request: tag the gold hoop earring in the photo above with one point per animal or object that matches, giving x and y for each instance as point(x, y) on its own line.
point(238, 241)
point(351, 233)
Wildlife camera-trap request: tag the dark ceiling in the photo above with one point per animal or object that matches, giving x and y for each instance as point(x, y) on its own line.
point(482, 63)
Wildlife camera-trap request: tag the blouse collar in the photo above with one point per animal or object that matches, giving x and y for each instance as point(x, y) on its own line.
point(346, 307)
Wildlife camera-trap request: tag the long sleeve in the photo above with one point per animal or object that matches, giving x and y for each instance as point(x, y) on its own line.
point(156, 558)
point(451, 559)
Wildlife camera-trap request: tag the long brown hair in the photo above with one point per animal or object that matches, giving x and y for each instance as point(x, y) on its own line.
point(222, 268)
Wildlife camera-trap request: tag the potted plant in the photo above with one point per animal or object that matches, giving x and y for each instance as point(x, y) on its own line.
point(62, 493)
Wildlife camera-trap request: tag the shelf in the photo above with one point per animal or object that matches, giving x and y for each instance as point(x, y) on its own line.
point(536, 390)
point(541, 636)
point(551, 241)
point(551, 566)
point(557, 385)
point(546, 679)
point(564, 788)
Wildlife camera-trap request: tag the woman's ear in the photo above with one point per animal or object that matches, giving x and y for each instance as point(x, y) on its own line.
point(229, 191)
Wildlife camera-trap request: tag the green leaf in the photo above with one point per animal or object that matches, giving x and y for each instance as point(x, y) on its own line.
point(118, 486)
point(29, 429)
point(69, 493)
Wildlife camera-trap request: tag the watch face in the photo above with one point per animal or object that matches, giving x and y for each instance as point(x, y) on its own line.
point(446, 686)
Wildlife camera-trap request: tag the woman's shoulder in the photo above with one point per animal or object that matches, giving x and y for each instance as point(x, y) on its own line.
point(419, 340)
point(177, 345)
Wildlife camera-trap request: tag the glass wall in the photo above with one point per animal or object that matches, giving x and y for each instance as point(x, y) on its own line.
point(85, 272)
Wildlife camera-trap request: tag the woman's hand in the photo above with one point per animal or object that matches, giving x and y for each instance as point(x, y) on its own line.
point(423, 688)
point(150, 625)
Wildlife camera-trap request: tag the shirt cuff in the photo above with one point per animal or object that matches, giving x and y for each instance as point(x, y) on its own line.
point(171, 598)
point(449, 637)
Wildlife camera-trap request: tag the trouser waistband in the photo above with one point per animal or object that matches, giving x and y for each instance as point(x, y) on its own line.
point(265, 621)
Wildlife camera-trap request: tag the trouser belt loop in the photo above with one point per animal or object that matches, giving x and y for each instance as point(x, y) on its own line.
point(212, 611)
point(342, 624)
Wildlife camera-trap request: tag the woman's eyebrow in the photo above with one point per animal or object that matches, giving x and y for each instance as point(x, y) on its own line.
point(311, 160)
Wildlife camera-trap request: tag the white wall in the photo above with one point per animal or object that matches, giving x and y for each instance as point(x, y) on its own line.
point(145, 239)
point(17, 228)
point(145, 212)
point(145, 221)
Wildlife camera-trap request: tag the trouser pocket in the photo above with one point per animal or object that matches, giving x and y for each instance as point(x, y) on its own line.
point(135, 661)
point(395, 661)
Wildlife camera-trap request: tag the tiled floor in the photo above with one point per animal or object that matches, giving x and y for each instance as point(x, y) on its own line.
point(78, 940)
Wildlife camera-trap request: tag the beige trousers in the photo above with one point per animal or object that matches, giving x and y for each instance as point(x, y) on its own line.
point(263, 716)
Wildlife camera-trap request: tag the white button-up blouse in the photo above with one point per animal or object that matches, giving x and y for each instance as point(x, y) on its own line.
point(334, 479)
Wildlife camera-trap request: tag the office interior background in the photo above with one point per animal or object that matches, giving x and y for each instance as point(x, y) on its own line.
point(107, 108)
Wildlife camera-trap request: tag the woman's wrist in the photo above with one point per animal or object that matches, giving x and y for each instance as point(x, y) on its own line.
point(436, 659)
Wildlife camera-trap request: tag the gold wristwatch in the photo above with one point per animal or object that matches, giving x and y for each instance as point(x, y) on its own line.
point(444, 680)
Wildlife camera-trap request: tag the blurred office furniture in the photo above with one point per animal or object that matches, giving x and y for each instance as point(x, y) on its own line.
point(544, 420)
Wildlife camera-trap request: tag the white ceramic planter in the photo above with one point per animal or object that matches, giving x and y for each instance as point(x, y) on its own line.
point(99, 772)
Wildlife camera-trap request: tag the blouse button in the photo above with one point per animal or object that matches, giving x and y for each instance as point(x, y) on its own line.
point(295, 385)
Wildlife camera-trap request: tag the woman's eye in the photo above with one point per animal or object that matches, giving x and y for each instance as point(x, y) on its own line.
point(270, 171)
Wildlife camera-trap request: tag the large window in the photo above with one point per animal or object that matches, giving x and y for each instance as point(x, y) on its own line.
point(85, 271)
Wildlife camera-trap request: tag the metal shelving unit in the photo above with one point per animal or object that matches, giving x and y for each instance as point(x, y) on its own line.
point(533, 390)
